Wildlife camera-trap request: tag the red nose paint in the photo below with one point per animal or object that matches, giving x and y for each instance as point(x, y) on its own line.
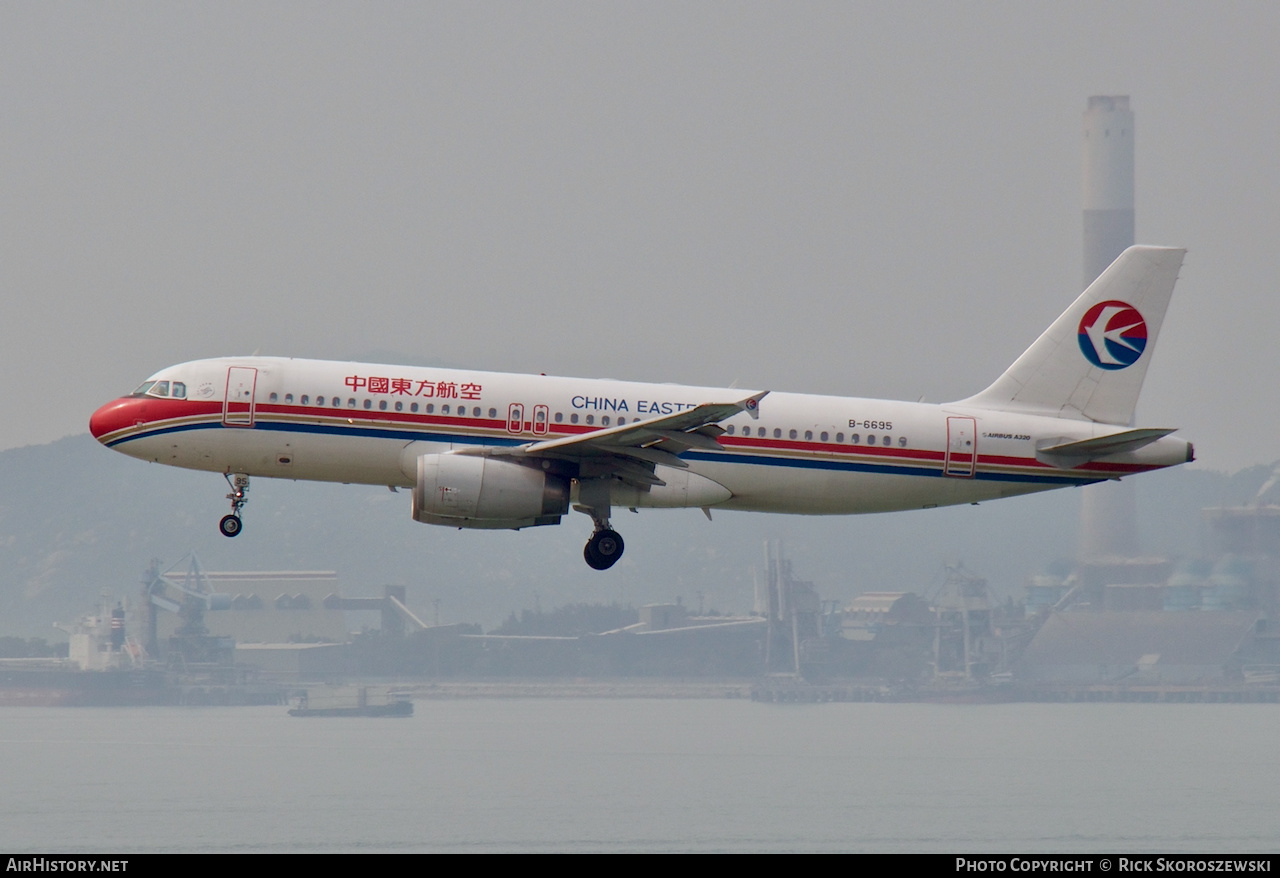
point(117, 415)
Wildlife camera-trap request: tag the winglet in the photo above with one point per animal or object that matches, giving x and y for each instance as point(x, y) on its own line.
point(751, 405)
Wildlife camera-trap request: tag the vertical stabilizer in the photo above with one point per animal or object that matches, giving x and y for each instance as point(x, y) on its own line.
point(1090, 364)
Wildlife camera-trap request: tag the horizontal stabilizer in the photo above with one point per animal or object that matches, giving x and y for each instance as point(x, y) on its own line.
point(1104, 446)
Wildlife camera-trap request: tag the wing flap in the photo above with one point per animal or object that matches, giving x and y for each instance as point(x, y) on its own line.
point(635, 473)
point(688, 439)
point(650, 454)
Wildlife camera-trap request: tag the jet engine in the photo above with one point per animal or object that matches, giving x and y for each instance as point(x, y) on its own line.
point(461, 490)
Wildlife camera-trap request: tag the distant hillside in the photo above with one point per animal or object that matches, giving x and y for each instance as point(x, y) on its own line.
point(77, 519)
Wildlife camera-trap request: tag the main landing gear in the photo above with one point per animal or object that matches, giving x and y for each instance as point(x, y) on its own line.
point(603, 549)
point(605, 546)
point(231, 525)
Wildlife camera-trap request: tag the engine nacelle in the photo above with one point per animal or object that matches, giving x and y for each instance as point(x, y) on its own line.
point(462, 490)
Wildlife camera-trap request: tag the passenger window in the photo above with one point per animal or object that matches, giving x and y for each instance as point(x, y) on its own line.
point(760, 432)
point(591, 419)
point(888, 440)
point(288, 397)
point(573, 418)
point(274, 397)
point(902, 441)
point(493, 413)
point(431, 407)
point(444, 409)
point(413, 407)
point(605, 420)
point(306, 399)
point(823, 436)
point(351, 402)
point(476, 411)
point(337, 403)
point(839, 437)
point(559, 417)
point(777, 432)
point(621, 421)
point(399, 406)
point(382, 404)
point(319, 400)
point(729, 430)
point(792, 434)
point(855, 439)
point(871, 440)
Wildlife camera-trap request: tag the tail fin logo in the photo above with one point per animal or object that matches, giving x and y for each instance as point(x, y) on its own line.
point(1112, 335)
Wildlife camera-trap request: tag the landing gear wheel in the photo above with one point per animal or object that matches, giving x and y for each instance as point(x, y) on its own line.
point(239, 497)
point(603, 549)
point(230, 525)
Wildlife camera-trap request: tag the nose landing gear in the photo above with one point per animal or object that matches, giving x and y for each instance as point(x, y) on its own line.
point(231, 525)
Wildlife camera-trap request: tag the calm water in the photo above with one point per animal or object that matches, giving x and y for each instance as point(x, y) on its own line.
point(645, 775)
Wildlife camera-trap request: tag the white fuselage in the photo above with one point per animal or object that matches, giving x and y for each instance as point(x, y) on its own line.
point(808, 454)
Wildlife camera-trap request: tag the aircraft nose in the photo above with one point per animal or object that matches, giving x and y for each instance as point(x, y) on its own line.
point(115, 416)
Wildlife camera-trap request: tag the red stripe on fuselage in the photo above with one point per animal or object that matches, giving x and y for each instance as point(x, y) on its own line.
point(129, 412)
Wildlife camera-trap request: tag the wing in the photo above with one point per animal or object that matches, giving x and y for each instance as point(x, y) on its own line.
point(631, 451)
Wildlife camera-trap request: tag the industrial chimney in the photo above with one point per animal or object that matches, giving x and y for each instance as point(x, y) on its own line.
point(1109, 524)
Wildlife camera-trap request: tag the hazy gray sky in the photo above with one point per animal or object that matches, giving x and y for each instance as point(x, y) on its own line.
point(863, 199)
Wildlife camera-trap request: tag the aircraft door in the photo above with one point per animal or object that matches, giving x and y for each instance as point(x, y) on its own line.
point(237, 405)
point(515, 418)
point(541, 420)
point(961, 459)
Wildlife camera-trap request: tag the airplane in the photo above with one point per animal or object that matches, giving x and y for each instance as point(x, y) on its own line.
point(495, 450)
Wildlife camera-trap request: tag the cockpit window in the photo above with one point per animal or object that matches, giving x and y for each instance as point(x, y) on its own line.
point(162, 389)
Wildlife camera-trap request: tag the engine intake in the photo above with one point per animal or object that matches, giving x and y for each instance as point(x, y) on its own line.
point(461, 490)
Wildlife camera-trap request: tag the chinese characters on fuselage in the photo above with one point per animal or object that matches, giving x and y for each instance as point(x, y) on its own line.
point(411, 387)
